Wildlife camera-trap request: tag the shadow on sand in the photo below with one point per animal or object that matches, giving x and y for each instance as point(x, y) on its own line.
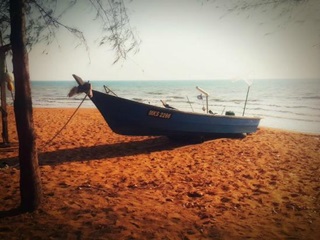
point(106, 151)
point(11, 212)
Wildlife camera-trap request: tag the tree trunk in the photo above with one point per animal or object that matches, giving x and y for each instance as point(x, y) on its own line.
point(30, 181)
point(4, 114)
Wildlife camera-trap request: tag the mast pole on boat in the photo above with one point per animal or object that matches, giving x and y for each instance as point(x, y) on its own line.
point(245, 103)
point(206, 94)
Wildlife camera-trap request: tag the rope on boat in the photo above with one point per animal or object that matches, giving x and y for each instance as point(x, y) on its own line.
point(64, 126)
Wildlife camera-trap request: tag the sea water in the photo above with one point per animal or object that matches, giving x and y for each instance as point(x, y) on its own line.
point(284, 104)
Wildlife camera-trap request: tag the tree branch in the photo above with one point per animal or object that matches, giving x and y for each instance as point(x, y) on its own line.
point(5, 48)
point(116, 24)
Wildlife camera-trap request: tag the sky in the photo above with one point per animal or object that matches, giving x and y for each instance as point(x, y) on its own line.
point(190, 40)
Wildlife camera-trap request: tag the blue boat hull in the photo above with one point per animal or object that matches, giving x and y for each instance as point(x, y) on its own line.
point(129, 117)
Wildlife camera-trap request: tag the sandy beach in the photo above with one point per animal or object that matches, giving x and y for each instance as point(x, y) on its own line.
point(100, 185)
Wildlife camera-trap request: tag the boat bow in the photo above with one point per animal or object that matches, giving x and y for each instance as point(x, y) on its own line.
point(83, 87)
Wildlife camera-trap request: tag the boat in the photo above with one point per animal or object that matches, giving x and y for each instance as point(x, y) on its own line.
point(128, 117)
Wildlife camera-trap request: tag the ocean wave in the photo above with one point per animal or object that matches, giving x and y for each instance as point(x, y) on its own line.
point(156, 93)
point(138, 99)
point(290, 118)
point(311, 97)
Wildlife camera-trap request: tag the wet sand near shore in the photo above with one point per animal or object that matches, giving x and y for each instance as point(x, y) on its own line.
point(100, 185)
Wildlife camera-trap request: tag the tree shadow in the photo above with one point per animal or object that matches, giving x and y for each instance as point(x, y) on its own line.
point(11, 212)
point(12, 226)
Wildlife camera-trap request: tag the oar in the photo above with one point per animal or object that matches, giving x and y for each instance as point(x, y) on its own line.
point(223, 110)
point(190, 104)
